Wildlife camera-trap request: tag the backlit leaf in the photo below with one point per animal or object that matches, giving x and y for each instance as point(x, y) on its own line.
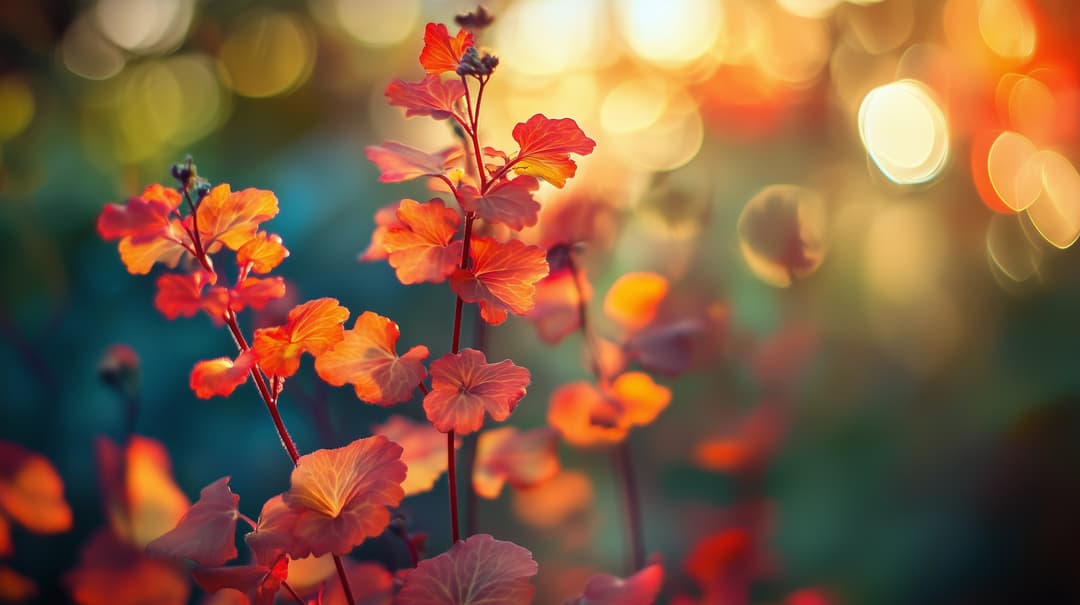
point(585, 416)
point(479, 570)
point(639, 398)
point(221, 376)
point(399, 162)
point(420, 249)
point(206, 534)
point(557, 313)
point(385, 218)
point(142, 217)
point(231, 219)
point(273, 536)
point(501, 278)
point(464, 386)
point(424, 451)
point(507, 203)
point(642, 588)
point(31, 491)
point(441, 52)
point(546, 145)
point(139, 256)
point(634, 299)
point(428, 97)
point(255, 292)
point(259, 581)
point(313, 327)
point(341, 495)
point(263, 252)
point(524, 459)
point(15, 587)
point(367, 359)
point(181, 294)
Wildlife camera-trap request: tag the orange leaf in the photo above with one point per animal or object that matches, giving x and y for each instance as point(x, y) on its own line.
point(634, 299)
point(385, 219)
point(180, 294)
point(525, 459)
point(464, 386)
point(557, 313)
point(546, 145)
point(640, 399)
point(255, 292)
point(428, 97)
point(231, 219)
point(420, 249)
point(399, 162)
point(31, 491)
point(567, 496)
point(206, 534)
point(424, 451)
point(314, 326)
point(341, 495)
point(477, 571)
point(642, 588)
point(501, 278)
point(367, 359)
point(441, 52)
point(141, 218)
point(573, 410)
point(508, 203)
point(113, 572)
point(139, 256)
point(263, 252)
point(221, 376)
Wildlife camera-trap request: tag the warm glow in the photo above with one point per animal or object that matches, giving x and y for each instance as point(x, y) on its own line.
point(550, 37)
point(1056, 214)
point(16, 107)
point(669, 142)
point(267, 55)
point(673, 33)
point(1007, 28)
point(633, 105)
point(809, 8)
point(1014, 170)
point(782, 233)
point(1009, 250)
point(904, 131)
point(905, 252)
point(87, 54)
point(145, 26)
point(1032, 109)
point(377, 23)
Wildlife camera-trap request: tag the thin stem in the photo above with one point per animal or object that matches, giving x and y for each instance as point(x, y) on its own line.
point(399, 531)
point(586, 326)
point(632, 506)
point(293, 593)
point(349, 598)
point(472, 513)
point(451, 470)
point(474, 132)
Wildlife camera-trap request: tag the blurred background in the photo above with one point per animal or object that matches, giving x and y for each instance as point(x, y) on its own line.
point(874, 203)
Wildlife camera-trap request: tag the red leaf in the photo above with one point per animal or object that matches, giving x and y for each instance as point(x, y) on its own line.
point(231, 218)
point(140, 255)
point(399, 162)
point(142, 217)
point(428, 97)
point(546, 145)
point(464, 386)
point(314, 326)
point(507, 202)
point(221, 376)
point(260, 582)
point(585, 417)
point(501, 278)
point(31, 491)
point(479, 570)
point(256, 293)
point(206, 534)
point(441, 52)
point(366, 358)
point(341, 495)
point(385, 219)
point(634, 299)
point(180, 294)
point(642, 588)
point(424, 451)
point(420, 249)
point(263, 253)
point(525, 459)
point(273, 536)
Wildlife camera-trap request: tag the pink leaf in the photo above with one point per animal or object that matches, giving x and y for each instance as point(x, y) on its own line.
point(399, 162)
point(206, 533)
point(428, 97)
point(641, 588)
point(479, 570)
point(508, 202)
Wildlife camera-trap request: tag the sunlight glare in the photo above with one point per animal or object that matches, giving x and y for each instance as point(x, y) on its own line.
point(904, 132)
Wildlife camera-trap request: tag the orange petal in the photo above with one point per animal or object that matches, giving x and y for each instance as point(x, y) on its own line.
point(464, 386)
point(501, 278)
point(367, 359)
point(546, 145)
point(634, 299)
point(314, 326)
point(572, 410)
point(441, 52)
point(641, 399)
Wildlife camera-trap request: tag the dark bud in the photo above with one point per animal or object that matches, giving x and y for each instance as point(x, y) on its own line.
point(474, 64)
point(119, 368)
point(202, 189)
point(181, 172)
point(475, 20)
point(558, 257)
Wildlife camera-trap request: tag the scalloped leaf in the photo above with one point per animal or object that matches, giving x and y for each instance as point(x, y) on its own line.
point(441, 52)
point(429, 97)
point(206, 534)
point(421, 250)
point(478, 571)
point(312, 327)
point(642, 588)
point(399, 162)
point(546, 145)
point(523, 458)
point(501, 278)
point(509, 203)
point(464, 386)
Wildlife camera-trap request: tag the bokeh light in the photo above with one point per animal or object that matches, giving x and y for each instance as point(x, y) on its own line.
point(670, 33)
point(16, 106)
point(144, 26)
point(904, 132)
point(782, 233)
point(267, 54)
point(1015, 170)
point(374, 23)
point(549, 37)
point(1056, 213)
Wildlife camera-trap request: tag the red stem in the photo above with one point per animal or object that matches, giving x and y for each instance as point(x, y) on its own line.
point(451, 470)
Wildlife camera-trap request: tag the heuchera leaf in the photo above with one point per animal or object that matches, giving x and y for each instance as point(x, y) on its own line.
point(273, 536)
point(634, 299)
point(113, 572)
point(428, 97)
point(259, 581)
point(340, 496)
point(507, 203)
point(399, 162)
point(642, 588)
point(140, 256)
point(420, 249)
point(525, 459)
point(424, 451)
point(221, 376)
point(231, 219)
point(181, 294)
point(501, 278)
point(314, 326)
point(385, 219)
point(31, 491)
point(367, 359)
point(142, 217)
point(206, 534)
point(479, 570)
point(585, 416)
point(546, 145)
point(262, 253)
point(441, 52)
point(464, 386)
point(254, 292)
